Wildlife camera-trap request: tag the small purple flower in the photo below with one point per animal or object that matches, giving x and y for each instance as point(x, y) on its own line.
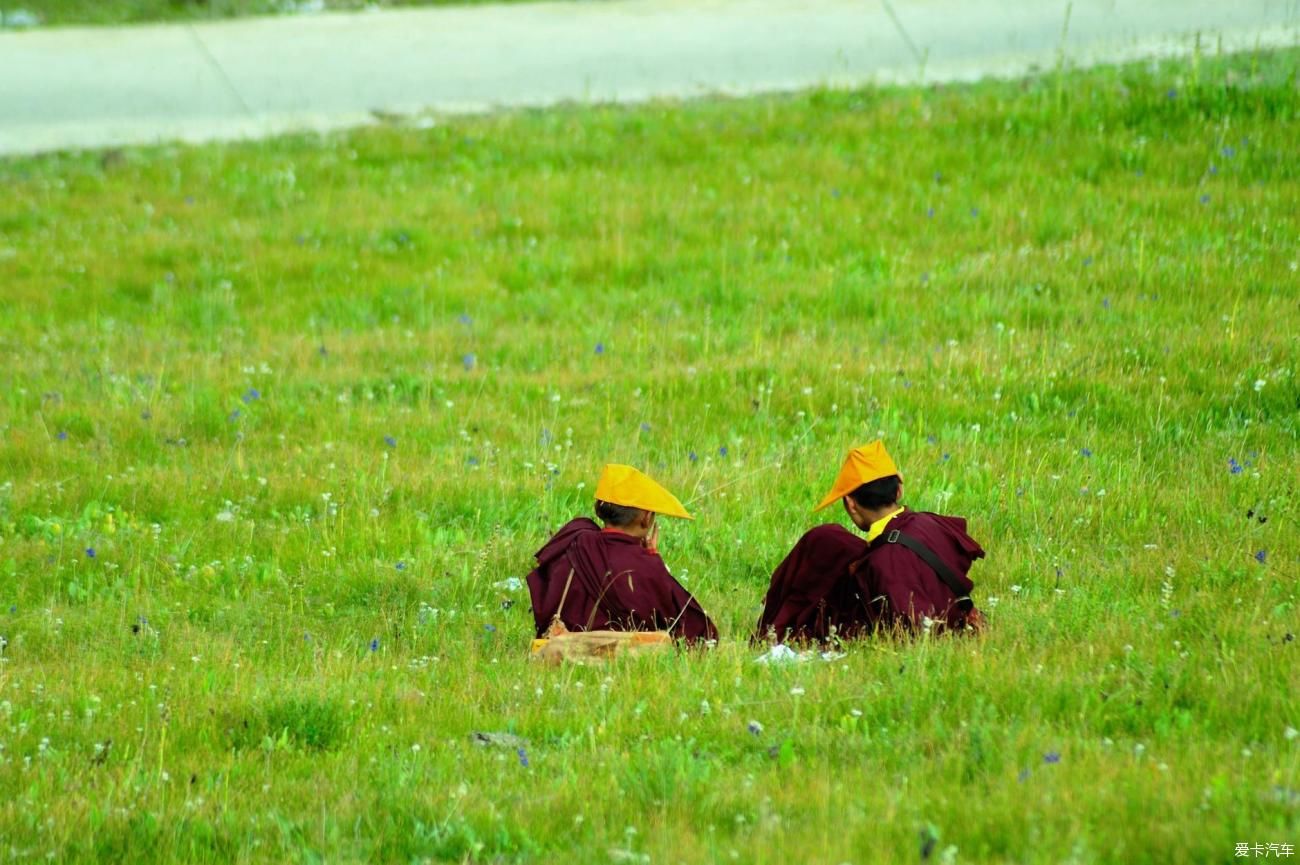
point(1235, 467)
point(401, 566)
point(322, 351)
point(1175, 613)
point(1105, 303)
point(491, 629)
point(1229, 152)
point(472, 461)
point(374, 645)
point(835, 192)
point(645, 427)
point(722, 451)
point(90, 552)
point(1052, 757)
point(1023, 776)
point(938, 177)
point(523, 758)
point(600, 348)
point(1087, 262)
point(1087, 452)
point(464, 319)
point(13, 608)
point(931, 440)
point(469, 361)
point(1172, 93)
point(145, 415)
point(306, 636)
point(692, 456)
point(1261, 556)
point(974, 212)
point(390, 441)
point(62, 436)
point(755, 728)
point(252, 395)
point(946, 457)
point(233, 416)
point(929, 213)
point(1205, 199)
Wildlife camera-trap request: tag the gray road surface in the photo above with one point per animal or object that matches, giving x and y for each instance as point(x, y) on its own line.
point(92, 88)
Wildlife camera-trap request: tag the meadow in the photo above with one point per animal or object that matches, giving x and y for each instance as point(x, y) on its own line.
point(117, 12)
point(280, 422)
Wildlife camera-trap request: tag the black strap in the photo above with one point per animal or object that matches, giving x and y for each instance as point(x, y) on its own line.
point(936, 564)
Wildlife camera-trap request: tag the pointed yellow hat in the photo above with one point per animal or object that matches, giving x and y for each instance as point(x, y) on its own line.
point(624, 485)
point(862, 466)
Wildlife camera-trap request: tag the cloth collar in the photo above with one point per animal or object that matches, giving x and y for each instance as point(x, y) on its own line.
point(877, 528)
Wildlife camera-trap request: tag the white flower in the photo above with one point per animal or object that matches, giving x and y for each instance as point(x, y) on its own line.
point(1291, 733)
point(1259, 384)
point(796, 691)
point(1016, 589)
point(225, 517)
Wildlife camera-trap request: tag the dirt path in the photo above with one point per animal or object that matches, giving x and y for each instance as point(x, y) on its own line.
point(91, 88)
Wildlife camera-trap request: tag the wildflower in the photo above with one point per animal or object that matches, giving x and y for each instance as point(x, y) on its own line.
point(1205, 199)
point(1234, 467)
point(1087, 262)
point(1172, 93)
point(1023, 776)
point(1260, 556)
point(464, 319)
point(1015, 589)
point(63, 435)
point(755, 728)
point(600, 348)
point(491, 629)
point(252, 395)
point(929, 213)
point(90, 552)
point(468, 361)
point(1052, 757)
point(322, 351)
point(401, 566)
point(796, 691)
point(1228, 152)
point(472, 461)
point(1087, 452)
point(1259, 384)
point(722, 451)
point(523, 758)
point(374, 645)
point(946, 457)
point(233, 416)
point(974, 212)
point(1105, 303)
point(1291, 733)
point(645, 427)
point(692, 456)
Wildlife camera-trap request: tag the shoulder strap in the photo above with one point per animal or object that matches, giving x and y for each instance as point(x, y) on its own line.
point(936, 564)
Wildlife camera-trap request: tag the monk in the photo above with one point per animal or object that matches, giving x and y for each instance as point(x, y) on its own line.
point(907, 573)
point(591, 578)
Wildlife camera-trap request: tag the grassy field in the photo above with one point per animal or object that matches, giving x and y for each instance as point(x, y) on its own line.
point(280, 420)
point(72, 12)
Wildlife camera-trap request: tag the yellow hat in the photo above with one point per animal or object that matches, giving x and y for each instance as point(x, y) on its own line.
point(624, 485)
point(863, 465)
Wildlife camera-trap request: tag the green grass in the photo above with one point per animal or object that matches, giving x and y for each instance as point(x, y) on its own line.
point(204, 349)
point(102, 12)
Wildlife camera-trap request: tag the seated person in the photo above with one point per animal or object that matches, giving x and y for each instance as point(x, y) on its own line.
point(908, 572)
point(590, 578)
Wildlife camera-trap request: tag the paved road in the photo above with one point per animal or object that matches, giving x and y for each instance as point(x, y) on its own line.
point(90, 88)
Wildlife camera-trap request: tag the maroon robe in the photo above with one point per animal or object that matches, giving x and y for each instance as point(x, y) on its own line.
point(833, 582)
point(618, 585)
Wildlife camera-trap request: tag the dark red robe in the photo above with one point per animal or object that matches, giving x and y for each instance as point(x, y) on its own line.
point(617, 585)
point(832, 582)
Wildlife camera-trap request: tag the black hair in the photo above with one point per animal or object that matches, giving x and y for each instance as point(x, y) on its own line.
point(616, 515)
point(880, 493)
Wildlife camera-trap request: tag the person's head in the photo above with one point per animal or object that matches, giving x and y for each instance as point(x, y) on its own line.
point(634, 521)
point(871, 501)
